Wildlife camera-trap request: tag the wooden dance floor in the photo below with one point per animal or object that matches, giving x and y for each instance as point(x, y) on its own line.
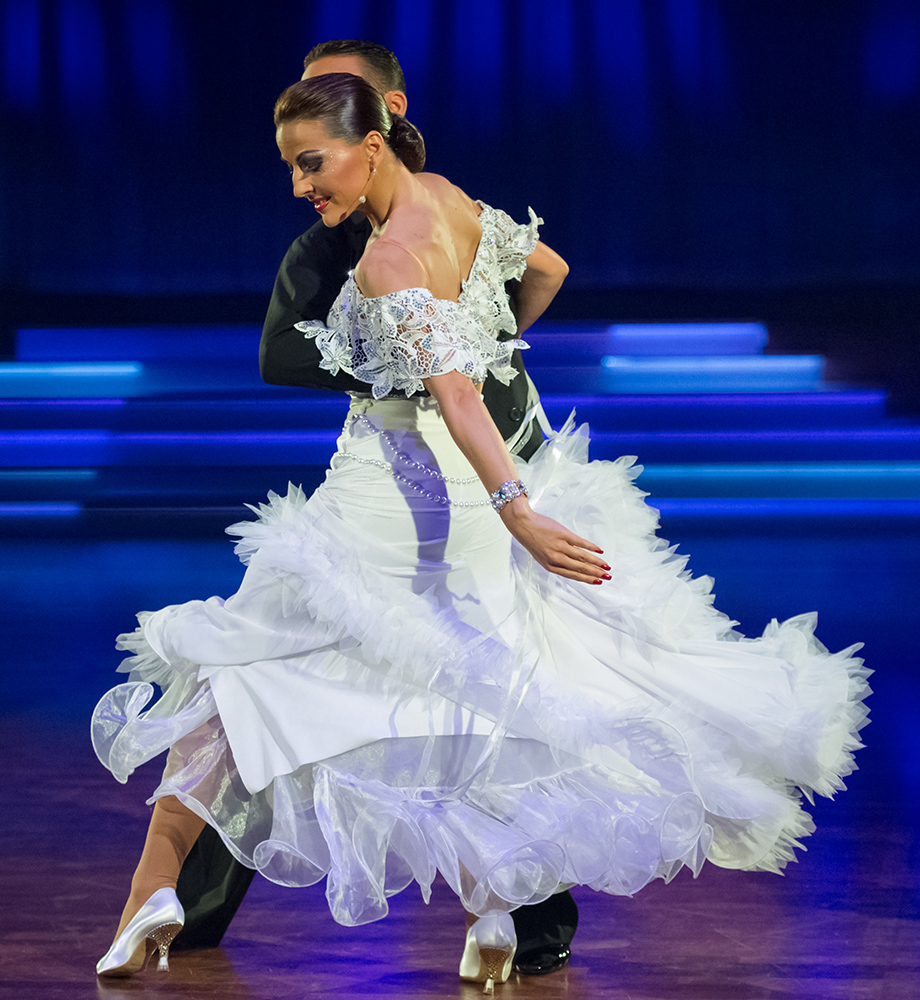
point(844, 923)
point(793, 500)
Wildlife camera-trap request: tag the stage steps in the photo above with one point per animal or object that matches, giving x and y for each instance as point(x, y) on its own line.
point(574, 357)
point(277, 408)
point(170, 419)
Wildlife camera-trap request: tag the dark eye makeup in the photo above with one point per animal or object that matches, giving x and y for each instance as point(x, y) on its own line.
point(309, 163)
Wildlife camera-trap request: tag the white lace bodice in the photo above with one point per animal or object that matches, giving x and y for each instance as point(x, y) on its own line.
point(394, 341)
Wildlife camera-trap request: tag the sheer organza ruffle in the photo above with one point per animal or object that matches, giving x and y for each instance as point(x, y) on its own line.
point(552, 732)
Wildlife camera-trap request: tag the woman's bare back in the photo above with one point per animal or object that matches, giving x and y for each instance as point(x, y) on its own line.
point(430, 239)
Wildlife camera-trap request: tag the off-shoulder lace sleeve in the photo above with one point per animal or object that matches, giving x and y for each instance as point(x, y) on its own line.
point(513, 242)
point(394, 341)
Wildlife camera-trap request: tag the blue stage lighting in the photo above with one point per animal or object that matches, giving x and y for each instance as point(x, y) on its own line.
point(139, 343)
point(892, 52)
point(84, 57)
point(51, 380)
point(686, 339)
point(60, 369)
point(19, 510)
point(764, 373)
point(48, 475)
point(854, 480)
point(21, 53)
point(781, 507)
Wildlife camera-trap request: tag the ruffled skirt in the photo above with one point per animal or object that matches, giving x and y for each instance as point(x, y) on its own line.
point(397, 690)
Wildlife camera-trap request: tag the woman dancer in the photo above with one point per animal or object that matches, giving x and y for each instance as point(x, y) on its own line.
point(424, 671)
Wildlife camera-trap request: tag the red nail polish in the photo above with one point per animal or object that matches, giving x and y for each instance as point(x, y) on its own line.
point(606, 567)
point(596, 583)
point(607, 576)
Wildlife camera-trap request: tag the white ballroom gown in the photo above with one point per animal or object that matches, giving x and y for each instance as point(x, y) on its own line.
point(397, 689)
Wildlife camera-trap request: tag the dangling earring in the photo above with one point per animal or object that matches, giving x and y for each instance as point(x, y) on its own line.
point(362, 199)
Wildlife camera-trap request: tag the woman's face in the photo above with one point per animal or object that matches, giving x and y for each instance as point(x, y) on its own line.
point(328, 172)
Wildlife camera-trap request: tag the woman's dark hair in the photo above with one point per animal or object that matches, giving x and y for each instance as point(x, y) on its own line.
point(382, 65)
point(349, 107)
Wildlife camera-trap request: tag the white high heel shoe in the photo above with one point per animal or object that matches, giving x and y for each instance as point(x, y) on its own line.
point(489, 952)
point(152, 928)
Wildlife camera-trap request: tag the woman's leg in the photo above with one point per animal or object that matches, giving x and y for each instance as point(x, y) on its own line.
point(172, 832)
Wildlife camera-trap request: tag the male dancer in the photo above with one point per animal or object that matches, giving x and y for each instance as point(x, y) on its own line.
point(212, 883)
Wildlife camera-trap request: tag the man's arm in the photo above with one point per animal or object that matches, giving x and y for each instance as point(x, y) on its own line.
point(509, 404)
point(310, 277)
point(546, 271)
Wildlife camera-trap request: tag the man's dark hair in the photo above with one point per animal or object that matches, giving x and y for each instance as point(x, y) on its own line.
point(383, 65)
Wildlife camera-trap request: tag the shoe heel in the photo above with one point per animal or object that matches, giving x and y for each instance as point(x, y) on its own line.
point(162, 937)
point(492, 963)
point(489, 952)
point(151, 929)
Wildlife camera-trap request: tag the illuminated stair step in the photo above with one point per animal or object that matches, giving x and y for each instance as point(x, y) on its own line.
point(293, 408)
point(804, 514)
point(59, 379)
point(719, 411)
point(39, 509)
point(143, 343)
point(105, 448)
point(891, 480)
point(221, 484)
point(580, 343)
point(75, 380)
point(686, 373)
point(684, 339)
point(157, 380)
point(880, 444)
point(122, 485)
point(71, 380)
point(773, 373)
point(829, 517)
point(241, 341)
point(101, 447)
point(68, 379)
point(25, 371)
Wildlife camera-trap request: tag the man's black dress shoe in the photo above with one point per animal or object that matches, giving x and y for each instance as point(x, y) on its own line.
point(542, 961)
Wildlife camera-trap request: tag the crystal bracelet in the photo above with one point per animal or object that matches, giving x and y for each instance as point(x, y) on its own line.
point(508, 491)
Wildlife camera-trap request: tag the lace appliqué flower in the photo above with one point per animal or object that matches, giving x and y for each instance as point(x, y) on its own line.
point(395, 341)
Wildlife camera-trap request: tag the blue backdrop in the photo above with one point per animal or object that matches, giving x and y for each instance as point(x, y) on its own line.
point(667, 143)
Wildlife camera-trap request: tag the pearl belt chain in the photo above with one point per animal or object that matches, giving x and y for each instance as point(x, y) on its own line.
point(421, 467)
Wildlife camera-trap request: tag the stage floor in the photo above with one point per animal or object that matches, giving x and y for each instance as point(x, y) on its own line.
point(843, 923)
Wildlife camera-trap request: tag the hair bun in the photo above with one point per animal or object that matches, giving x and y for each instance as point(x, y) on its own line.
point(407, 143)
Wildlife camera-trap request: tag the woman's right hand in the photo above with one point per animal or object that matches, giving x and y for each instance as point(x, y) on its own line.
point(554, 547)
